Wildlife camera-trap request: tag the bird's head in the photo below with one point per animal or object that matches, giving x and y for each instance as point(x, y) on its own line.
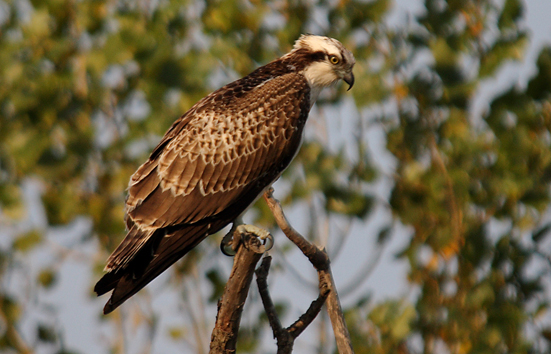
point(328, 60)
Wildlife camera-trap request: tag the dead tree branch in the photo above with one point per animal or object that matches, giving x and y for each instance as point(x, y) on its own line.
point(320, 261)
point(285, 336)
point(230, 306)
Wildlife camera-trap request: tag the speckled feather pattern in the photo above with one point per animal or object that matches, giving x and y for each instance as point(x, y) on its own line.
point(217, 149)
point(210, 166)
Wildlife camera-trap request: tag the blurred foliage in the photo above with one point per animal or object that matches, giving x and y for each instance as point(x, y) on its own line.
point(384, 330)
point(87, 88)
point(459, 175)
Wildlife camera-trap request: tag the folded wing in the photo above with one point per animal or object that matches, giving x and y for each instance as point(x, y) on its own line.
point(208, 168)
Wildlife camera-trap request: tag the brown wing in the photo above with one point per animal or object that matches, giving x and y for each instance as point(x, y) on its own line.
point(210, 166)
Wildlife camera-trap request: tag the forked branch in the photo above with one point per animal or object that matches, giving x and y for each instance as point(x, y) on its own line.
point(230, 306)
point(320, 261)
point(285, 336)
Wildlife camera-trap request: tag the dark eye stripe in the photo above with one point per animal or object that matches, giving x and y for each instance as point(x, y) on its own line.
point(343, 57)
point(317, 56)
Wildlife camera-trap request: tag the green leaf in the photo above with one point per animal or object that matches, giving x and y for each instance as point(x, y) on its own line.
point(539, 87)
point(28, 241)
point(502, 52)
point(394, 319)
point(47, 278)
point(217, 283)
point(347, 202)
point(512, 12)
point(176, 333)
point(10, 308)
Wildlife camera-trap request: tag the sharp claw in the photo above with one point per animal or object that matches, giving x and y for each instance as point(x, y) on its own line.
point(227, 249)
point(230, 242)
point(268, 242)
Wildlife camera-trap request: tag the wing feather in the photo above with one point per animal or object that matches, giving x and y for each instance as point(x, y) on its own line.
point(211, 182)
point(138, 191)
point(184, 184)
point(146, 214)
point(208, 172)
point(171, 167)
point(257, 161)
point(142, 172)
point(225, 170)
point(172, 174)
point(248, 167)
point(126, 284)
point(241, 163)
point(205, 172)
point(230, 180)
point(200, 165)
point(128, 247)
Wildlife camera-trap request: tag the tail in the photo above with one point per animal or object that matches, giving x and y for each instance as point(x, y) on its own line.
point(162, 249)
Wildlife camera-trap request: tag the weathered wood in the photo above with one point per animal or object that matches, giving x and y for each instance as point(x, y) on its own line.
point(230, 306)
point(320, 261)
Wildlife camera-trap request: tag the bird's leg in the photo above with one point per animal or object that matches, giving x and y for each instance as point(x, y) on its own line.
point(231, 240)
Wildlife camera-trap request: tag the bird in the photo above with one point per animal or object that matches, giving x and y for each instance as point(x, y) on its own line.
point(217, 159)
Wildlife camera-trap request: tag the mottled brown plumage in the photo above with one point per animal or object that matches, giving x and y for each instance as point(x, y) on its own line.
point(216, 160)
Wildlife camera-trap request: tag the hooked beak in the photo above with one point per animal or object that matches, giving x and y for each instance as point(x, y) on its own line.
point(349, 79)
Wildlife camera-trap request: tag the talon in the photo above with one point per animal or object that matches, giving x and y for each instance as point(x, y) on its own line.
point(268, 242)
point(227, 249)
point(230, 242)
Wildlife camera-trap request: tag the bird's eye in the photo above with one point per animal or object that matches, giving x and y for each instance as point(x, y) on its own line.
point(333, 59)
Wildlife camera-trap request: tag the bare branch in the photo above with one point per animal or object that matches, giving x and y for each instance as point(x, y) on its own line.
point(284, 339)
point(317, 257)
point(333, 304)
point(285, 336)
point(320, 261)
point(262, 282)
point(315, 307)
point(230, 306)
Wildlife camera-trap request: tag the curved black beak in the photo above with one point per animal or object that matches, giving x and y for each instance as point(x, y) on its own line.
point(349, 79)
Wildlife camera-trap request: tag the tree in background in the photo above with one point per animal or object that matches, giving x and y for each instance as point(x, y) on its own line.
point(87, 88)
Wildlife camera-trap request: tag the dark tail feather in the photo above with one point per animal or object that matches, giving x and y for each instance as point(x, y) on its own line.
point(138, 262)
point(164, 249)
point(107, 283)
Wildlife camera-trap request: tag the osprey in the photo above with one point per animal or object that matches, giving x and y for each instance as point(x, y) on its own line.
point(217, 159)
